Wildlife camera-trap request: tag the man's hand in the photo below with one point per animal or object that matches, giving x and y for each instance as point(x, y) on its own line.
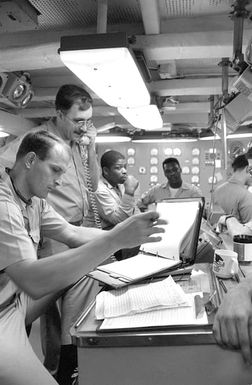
point(233, 322)
point(91, 131)
point(89, 135)
point(130, 185)
point(138, 229)
point(221, 224)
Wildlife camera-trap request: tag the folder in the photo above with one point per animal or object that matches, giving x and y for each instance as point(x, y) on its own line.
point(177, 248)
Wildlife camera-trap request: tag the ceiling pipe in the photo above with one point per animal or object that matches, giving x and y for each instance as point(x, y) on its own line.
point(102, 16)
point(238, 15)
point(225, 63)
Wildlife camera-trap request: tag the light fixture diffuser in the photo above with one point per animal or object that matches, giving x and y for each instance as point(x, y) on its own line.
point(239, 136)
point(143, 117)
point(106, 65)
point(107, 138)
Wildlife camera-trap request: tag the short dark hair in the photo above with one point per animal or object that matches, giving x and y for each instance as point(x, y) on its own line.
point(40, 142)
point(171, 160)
point(110, 157)
point(240, 162)
point(67, 96)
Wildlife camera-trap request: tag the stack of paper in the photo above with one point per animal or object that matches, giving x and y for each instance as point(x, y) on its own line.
point(140, 298)
point(162, 303)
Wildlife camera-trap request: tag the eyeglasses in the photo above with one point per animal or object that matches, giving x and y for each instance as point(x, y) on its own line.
point(78, 122)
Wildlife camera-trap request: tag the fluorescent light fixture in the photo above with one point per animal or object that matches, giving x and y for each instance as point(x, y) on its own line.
point(112, 138)
point(212, 137)
point(106, 65)
point(237, 136)
point(164, 140)
point(3, 134)
point(144, 117)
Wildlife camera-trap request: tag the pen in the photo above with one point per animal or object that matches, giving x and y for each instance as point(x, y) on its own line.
point(237, 278)
point(223, 286)
point(244, 276)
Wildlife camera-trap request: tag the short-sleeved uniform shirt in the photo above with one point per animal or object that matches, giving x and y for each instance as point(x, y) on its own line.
point(71, 200)
point(234, 198)
point(113, 204)
point(161, 192)
point(20, 229)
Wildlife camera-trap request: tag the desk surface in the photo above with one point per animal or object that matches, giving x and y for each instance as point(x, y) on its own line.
point(84, 332)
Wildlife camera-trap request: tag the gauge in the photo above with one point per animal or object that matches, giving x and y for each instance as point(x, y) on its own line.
point(131, 151)
point(195, 170)
point(168, 151)
point(153, 170)
point(195, 151)
point(131, 160)
point(176, 151)
point(195, 179)
point(153, 160)
point(185, 170)
point(154, 152)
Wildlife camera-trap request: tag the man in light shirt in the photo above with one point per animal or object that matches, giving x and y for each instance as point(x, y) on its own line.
point(175, 187)
point(28, 285)
point(72, 123)
point(115, 195)
point(233, 195)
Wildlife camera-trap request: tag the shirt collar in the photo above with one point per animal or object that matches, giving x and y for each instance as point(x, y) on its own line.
point(184, 186)
point(110, 185)
point(28, 202)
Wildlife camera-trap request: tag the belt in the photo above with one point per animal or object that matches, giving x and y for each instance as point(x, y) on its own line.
point(8, 302)
point(77, 223)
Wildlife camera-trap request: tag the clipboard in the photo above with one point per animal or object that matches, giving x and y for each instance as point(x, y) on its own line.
point(147, 264)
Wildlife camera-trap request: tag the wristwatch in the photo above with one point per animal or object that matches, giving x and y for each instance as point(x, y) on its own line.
point(227, 217)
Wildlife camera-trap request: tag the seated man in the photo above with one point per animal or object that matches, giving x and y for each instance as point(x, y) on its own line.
point(233, 196)
point(174, 188)
point(28, 285)
point(115, 194)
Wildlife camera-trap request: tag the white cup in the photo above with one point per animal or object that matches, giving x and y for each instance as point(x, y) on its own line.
point(225, 263)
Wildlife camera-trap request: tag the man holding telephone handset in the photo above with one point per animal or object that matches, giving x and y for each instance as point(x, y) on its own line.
point(73, 124)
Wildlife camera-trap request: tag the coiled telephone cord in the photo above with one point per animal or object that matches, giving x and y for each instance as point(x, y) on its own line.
point(92, 200)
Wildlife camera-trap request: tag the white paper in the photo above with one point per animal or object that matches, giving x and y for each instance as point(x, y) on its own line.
point(165, 317)
point(180, 217)
point(139, 266)
point(140, 298)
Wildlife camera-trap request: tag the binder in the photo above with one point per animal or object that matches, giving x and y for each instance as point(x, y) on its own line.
point(184, 216)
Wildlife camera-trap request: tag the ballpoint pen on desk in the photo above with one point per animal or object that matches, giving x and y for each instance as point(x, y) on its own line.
point(242, 272)
point(237, 278)
point(223, 285)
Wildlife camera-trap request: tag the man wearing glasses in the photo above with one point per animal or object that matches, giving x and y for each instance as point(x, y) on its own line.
point(174, 188)
point(73, 124)
point(233, 196)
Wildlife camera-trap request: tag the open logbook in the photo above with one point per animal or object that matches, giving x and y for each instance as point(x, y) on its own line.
point(178, 245)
